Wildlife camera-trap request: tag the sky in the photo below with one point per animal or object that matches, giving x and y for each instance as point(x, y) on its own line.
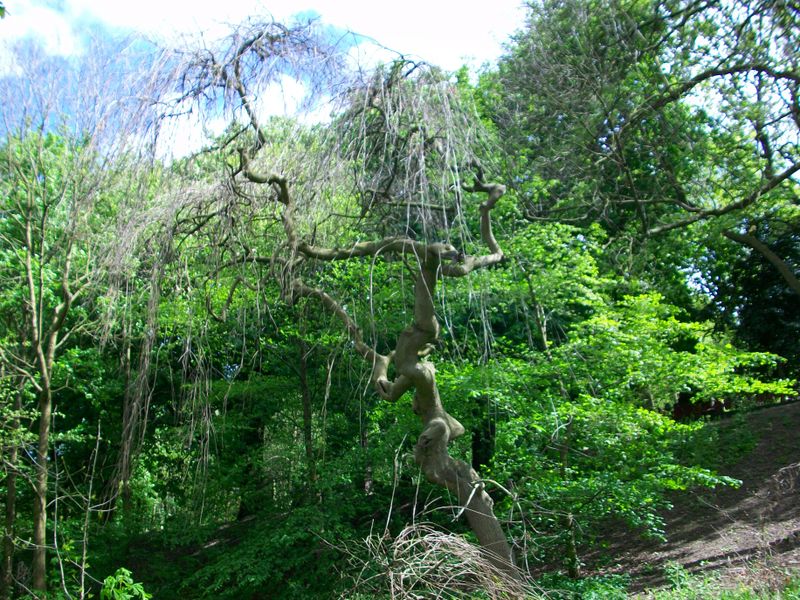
point(448, 33)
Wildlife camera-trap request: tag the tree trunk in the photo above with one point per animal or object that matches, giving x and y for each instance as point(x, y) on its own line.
point(440, 468)
point(439, 427)
point(568, 519)
point(8, 537)
point(573, 562)
point(39, 570)
point(305, 395)
point(363, 439)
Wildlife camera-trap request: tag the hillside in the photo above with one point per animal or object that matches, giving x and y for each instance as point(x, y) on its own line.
point(748, 535)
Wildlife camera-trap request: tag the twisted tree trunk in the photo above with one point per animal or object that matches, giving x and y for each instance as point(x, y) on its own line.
point(414, 344)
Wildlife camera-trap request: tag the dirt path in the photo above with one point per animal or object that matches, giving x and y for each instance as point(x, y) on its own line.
point(745, 533)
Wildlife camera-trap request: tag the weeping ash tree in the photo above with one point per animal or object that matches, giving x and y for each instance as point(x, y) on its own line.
point(396, 163)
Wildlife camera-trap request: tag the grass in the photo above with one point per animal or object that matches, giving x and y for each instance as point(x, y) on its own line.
point(763, 583)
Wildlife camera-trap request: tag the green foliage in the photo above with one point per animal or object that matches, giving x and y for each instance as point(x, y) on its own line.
point(578, 464)
point(611, 587)
point(687, 586)
point(250, 474)
point(287, 555)
point(721, 444)
point(638, 350)
point(121, 586)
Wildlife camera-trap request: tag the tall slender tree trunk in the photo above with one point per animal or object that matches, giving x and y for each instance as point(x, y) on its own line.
point(305, 396)
point(39, 574)
point(44, 338)
point(568, 519)
point(573, 561)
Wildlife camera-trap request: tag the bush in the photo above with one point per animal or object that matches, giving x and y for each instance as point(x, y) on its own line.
point(121, 586)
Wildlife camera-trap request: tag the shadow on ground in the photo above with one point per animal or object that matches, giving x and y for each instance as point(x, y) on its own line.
point(733, 532)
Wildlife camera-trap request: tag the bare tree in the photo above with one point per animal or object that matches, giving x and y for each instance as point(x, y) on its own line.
point(396, 164)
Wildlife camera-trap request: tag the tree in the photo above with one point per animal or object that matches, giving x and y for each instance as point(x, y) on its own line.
point(394, 158)
point(752, 294)
point(45, 274)
point(578, 388)
point(668, 115)
point(59, 202)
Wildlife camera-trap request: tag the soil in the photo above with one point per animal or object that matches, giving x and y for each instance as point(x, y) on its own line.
point(747, 535)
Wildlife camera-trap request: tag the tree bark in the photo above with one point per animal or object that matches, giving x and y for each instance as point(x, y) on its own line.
point(8, 536)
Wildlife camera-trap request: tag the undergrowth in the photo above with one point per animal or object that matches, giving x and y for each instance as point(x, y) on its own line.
point(762, 583)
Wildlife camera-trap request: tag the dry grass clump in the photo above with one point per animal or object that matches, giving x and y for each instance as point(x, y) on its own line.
point(423, 562)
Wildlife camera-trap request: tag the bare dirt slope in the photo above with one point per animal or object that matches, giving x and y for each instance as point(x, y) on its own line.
point(745, 533)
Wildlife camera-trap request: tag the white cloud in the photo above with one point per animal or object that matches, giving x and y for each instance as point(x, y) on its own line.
point(444, 32)
point(282, 97)
point(25, 19)
point(447, 33)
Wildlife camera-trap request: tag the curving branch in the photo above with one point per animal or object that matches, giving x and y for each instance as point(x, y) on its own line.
point(379, 361)
point(679, 90)
point(493, 191)
point(701, 215)
point(747, 239)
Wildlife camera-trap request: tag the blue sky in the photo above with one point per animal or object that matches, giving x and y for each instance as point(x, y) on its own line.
point(448, 33)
